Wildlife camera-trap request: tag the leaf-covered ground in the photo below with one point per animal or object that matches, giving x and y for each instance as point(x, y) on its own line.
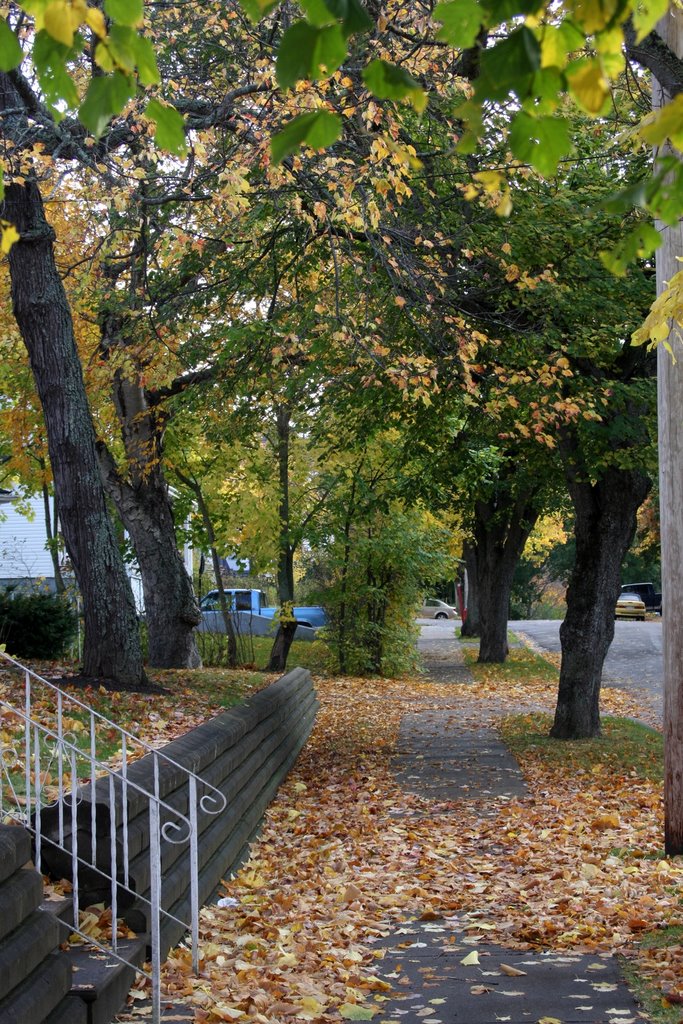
point(346, 856)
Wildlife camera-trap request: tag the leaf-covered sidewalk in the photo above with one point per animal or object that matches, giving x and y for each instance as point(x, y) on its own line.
point(346, 857)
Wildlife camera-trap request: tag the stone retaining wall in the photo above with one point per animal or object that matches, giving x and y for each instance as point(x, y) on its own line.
point(245, 753)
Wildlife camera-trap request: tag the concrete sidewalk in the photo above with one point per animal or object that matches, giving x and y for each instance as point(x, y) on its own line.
point(440, 759)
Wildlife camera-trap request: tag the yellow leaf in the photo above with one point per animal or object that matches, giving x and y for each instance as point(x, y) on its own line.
point(399, 301)
point(589, 86)
point(504, 207)
point(10, 235)
point(490, 180)
point(95, 19)
point(593, 16)
point(666, 124)
point(549, 1020)
point(471, 958)
point(57, 21)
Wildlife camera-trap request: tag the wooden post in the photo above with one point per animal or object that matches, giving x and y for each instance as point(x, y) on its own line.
point(670, 403)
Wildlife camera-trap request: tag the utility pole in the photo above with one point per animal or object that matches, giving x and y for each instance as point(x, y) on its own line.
point(670, 409)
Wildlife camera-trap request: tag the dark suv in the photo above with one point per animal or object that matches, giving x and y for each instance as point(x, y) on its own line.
point(646, 592)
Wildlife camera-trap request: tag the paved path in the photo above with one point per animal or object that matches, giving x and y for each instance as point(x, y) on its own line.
point(440, 759)
point(634, 661)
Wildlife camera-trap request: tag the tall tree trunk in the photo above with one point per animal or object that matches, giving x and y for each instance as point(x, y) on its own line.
point(471, 625)
point(605, 526)
point(285, 570)
point(142, 500)
point(670, 28)
point(501, 530)
point(112, 641)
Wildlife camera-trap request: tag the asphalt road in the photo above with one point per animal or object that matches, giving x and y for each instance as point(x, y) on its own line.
point(634, 660)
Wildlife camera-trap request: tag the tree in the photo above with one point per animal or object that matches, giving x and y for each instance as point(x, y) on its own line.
point(112, 644)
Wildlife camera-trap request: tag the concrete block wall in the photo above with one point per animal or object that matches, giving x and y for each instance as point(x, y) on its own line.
point(245, 753)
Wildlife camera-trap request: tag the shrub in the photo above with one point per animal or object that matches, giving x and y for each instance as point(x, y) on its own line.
point(36, 625)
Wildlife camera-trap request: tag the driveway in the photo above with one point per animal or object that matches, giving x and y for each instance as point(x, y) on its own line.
point(634, 660)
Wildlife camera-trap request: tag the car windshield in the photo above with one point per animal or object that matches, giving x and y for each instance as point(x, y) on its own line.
point(629, 597)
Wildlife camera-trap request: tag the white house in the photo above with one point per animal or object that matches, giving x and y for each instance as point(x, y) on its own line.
point(23, 540)
point(24, 555)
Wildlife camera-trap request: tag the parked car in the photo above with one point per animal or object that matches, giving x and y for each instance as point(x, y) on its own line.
point(435, 609)
point(647, 593)
point(630, 606)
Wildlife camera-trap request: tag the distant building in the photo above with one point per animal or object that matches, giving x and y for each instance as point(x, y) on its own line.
point(24, 555)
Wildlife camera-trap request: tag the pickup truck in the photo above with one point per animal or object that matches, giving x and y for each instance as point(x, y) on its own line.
point(646, 592)
point(252, 606)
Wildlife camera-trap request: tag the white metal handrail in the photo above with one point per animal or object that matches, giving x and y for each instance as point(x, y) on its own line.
point(51, 746)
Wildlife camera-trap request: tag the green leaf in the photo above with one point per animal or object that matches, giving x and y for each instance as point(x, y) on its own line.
point(125, 12)
point(461, 21)
point(540, 141)
point(352, 14)
point(257, 9)
point(148, 72)
point(638, 244)
point(318, 129)
point(389, 82)
point(121, 45)
point(558, 42)
point(509, 66)
point(305, 50)
point(318, 13)
point(49, 58)
point(502, 10)
point(170, 128)
point(106, 96)
point(646, 14)
point(545, 92)
point(10, 50)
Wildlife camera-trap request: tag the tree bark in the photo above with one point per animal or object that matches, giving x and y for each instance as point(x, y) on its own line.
point(472, 625)
point(670, 393)
point(501, 530)
point(285, 570)
point(112, 642)
point(605, 527)
point(171, 610)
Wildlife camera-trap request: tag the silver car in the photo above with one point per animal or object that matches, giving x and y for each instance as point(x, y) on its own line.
point(435, 609)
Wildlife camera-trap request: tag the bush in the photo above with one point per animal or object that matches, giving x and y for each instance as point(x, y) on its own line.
point(36, 625)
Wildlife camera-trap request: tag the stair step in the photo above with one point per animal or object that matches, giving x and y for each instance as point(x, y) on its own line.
point(15, 849)
point(101, 981)
point(39, 994)
point(71, 1010)
point(24, 949)
point(62, 909)
point(20, 895)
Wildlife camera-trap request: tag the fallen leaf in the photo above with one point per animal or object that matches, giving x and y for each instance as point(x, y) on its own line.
point(512, 972)
point(471, 958)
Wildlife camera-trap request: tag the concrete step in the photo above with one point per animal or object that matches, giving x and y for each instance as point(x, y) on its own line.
point(36, 997)
point(101, 981)
point(24, 949)
point(71, 1010)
